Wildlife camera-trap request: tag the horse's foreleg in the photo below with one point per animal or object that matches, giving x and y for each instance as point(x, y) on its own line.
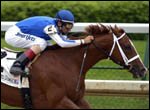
point(66, 103)
point(83, 104)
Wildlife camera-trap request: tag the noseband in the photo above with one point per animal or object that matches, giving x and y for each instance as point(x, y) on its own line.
point(123, 55)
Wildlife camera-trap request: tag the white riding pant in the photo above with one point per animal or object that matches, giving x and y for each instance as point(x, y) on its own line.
point(16, 38)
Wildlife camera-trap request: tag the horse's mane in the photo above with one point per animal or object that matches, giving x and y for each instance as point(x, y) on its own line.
point(101, 29)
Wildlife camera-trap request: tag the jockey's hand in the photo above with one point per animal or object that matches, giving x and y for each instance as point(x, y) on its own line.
point(88, 39)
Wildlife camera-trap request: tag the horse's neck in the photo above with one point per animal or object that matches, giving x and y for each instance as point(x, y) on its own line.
point(94, 54)
point(74, 56)
point(67, 55)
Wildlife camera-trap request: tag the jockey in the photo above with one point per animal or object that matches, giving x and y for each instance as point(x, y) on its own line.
point(34, 34)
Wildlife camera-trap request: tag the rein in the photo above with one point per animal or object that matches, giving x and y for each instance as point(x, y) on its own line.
point(82, 65)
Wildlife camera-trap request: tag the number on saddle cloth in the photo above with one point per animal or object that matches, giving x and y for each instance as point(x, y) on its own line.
point(3, 54)
point(8, 57)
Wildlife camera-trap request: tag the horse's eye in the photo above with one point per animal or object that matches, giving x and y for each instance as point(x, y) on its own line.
point(127, 47)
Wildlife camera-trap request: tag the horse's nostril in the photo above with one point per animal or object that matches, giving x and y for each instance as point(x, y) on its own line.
point(143, 70)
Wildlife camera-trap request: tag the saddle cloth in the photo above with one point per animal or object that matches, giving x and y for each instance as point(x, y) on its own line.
point(7, 59)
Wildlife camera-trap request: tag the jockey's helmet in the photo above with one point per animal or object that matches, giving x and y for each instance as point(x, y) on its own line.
point(65, 16)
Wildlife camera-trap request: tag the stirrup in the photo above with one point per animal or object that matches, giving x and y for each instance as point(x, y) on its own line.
point(17, 71)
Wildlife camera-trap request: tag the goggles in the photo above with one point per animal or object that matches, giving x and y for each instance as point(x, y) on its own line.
point(68, 25)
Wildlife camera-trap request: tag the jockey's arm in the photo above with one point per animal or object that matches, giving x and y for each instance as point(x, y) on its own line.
point(62, 40)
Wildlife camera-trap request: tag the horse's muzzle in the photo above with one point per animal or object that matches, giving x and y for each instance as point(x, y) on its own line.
point(137, 71)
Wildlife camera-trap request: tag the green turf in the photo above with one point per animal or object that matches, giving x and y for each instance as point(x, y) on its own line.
point(115, 102)
point(4, 106)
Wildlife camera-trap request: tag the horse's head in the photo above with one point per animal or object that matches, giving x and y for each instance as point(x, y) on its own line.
point(117, 46)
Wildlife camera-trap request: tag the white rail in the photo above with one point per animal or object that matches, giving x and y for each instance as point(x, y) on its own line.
point(117, 87)
point(79, 27)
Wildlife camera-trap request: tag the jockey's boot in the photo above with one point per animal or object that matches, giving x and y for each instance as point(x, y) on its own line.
point(19, 65)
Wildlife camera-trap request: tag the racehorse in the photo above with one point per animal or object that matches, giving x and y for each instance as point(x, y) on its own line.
point(55, 74)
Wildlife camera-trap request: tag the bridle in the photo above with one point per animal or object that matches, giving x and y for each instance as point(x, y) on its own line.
point(108, 54)
point(123, 55)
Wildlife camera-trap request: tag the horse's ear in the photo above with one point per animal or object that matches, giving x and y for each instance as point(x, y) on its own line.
point(113, 29)
point(116, 27)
